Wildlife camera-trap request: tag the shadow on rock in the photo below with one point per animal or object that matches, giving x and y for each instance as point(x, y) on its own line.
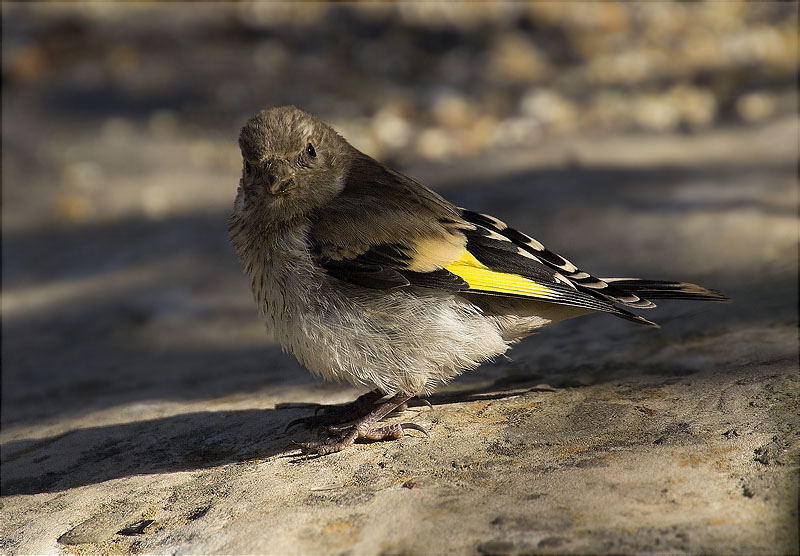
point(184, 442)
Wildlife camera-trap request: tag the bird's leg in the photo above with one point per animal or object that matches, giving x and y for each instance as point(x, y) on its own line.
point(362, 429)
point(340, 414)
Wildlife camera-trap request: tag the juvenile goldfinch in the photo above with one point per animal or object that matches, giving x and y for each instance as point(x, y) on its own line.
point(369, 277)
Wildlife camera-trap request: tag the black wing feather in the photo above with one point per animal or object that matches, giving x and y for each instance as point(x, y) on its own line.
point(581, 280)
point(365, 274)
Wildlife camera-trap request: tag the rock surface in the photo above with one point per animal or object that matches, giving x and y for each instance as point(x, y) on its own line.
point(144, 409)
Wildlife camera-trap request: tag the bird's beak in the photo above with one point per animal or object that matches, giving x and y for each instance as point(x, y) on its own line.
point(278, 178)
point(282, 185)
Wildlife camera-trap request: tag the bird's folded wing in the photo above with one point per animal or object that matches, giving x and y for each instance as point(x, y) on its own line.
point(491, 234)
point(581, 280)
point(378, 243)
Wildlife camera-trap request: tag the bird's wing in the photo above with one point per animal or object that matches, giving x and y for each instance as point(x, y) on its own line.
point(492, 235)
point(399, 233)
point(581, 280)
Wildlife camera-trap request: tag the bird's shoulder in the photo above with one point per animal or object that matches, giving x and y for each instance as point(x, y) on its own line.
point(390, 215)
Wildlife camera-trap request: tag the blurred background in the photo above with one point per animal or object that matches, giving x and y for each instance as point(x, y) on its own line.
point(99, 96)
point(120, 160)
point(651, 139)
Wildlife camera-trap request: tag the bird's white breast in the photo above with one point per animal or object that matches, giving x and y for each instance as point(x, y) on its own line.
point(406, 340)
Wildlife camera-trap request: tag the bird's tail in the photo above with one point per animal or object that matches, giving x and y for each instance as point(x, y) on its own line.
point(662, 289)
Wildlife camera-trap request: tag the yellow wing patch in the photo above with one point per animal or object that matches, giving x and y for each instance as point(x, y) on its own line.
point(429, 254)
point(481, 277)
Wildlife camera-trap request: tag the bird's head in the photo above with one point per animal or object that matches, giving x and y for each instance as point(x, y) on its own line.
point(292, 163)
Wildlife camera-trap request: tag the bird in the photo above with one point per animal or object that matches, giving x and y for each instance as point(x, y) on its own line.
point(371, 278)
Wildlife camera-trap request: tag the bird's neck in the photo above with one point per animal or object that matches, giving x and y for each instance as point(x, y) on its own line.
point(274, 258)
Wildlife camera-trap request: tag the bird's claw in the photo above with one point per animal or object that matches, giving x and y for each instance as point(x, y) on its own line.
point(307, 421)
point(413, 427)
point(423, 401)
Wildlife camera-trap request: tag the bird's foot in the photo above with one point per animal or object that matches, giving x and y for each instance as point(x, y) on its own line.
point(340, 438)
point(338, 415)
point(333, 415)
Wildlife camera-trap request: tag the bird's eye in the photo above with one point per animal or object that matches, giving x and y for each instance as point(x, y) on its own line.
point(247, 168)
point(310, 150)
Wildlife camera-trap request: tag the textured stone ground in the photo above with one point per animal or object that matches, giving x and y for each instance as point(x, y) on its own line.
point(138, 384)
